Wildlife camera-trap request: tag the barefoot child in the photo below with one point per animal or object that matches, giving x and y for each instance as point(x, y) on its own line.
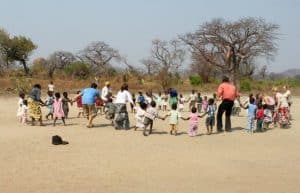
point(210, 119)
point(259, 118)
point(58, 109)
point(199, 101)
point(49, 102)
point(20, 104)
point(24, 113)
point(165, 102)
point(181, 102)
point(194, 121)
point(174, 119)
point(252, 108)
point(139, 116)
point(65, 104)
point(79, 105)
point(110, 110)
point(150, 115)
point(159, 101)
point(204, 104)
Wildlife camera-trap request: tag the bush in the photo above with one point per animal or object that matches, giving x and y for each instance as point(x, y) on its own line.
point(245, 85)
point(196, 80)
point(78, 70)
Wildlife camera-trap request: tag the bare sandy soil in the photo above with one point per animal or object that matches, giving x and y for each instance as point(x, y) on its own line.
point(102, 159)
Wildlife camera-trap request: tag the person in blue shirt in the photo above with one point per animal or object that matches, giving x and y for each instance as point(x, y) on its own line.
point(89, 96)
point(252, 108)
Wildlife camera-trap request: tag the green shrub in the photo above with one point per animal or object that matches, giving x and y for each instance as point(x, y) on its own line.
point(245, 85)
point(196, 80)
point(78, 70)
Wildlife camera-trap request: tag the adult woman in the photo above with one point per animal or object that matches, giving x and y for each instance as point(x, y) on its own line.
point(173, 96)
point(122, 119)
point(34, 102)
point(281, 111)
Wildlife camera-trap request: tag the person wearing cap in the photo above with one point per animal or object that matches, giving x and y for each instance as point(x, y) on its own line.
point(105, 92)
point(227, 92)
point(89, 96)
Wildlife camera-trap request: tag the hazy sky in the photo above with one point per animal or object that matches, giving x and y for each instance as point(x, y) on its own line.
point(130, 25)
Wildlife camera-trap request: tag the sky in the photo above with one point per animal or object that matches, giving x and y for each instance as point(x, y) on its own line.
point(131, 25)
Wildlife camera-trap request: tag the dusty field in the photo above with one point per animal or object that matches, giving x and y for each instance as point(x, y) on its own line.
point(102, 159)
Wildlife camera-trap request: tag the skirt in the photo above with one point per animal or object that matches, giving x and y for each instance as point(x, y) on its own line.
point(34, 109)
point(121, 116)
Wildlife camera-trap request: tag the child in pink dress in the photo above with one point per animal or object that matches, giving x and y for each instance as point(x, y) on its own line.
point(194, 120)
point(58, 109)
point(204, 104)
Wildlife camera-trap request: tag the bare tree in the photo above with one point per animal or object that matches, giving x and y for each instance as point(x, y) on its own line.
point(99, 55)
point(166, 59)
point(59, 60)
point(226, 44)
point(150, 65)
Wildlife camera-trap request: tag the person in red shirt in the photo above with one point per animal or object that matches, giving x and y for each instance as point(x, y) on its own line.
point(79, 105)
point(227, 92)
point(260, 118)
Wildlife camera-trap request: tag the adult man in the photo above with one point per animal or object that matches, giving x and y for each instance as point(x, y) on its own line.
point(227, 92)
point(89, 96)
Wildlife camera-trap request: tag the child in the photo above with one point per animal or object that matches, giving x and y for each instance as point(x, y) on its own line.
point(215, 99)
point(58, 109)
point(204, 104)
point(20, 104)
point(79, 104)
point(193, 126)
point(159, 101)
point(132, 105)
point(24, 110)
point(181, 102)
point(110, 110)
point(199, 101)
point(148, 98)
point(259, 118)
point(140, 113)
point(141, 98)
point(165, 101)
point(49, 102)
point(150, 115)
point(251, 114)
point(98, 105)
point(65, 104)
point(267, 116)
point(210, 119)
point(174, 117)
point(236, 109)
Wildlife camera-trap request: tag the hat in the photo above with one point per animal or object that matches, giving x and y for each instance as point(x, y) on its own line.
point(57, 140)
point(107, 83)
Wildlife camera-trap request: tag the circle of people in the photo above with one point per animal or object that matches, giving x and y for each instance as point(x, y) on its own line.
point(262, 110)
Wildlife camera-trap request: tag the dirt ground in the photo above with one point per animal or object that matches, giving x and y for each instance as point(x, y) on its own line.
point(102, 159)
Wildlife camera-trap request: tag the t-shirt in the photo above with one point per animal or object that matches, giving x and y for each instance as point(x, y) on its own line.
point(260, 114)
point(151, 113)
point(51, 87)
point(174, 116)
point(199, 99)
point(211, 109)
point(89, 96)
point(227, 91)
point(79, 102)
point(123, 97)
point(251, 110)
point(35, 94)
point(141, 99)
point(288, 96)
point(193, 97)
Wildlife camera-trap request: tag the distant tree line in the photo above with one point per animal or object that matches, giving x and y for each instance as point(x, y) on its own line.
point(218, 47)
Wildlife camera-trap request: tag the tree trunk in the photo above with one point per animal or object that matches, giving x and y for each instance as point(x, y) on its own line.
point(26, 69)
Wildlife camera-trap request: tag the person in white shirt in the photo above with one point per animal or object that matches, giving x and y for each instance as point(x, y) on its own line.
point(121, 117)
point(51, 86)
point(192, 100)
point(105, 92)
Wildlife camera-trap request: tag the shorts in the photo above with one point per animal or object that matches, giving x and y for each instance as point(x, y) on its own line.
point(148, 121)
point(210, 121)
point(89, 110)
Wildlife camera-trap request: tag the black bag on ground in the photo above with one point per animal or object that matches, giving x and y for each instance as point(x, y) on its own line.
point(57, 140)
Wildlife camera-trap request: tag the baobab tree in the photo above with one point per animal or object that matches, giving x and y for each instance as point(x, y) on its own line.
point(225, 44)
